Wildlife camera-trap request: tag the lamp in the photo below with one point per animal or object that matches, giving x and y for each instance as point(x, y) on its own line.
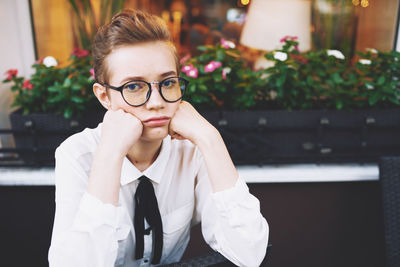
point(267, 21)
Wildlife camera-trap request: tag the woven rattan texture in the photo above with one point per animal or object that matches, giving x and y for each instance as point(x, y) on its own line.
point(390, 181)
point(213, 259)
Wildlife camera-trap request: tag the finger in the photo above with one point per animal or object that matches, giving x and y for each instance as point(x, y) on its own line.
point(112, 107)
point(171, 132)
point(179, 137)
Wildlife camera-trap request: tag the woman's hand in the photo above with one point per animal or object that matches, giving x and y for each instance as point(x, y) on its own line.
point(120, 130)
point(187, 123)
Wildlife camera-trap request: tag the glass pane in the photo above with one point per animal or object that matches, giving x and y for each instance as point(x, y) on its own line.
point(336, 24)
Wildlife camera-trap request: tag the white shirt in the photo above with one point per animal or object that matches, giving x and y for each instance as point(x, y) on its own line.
point(88, 232)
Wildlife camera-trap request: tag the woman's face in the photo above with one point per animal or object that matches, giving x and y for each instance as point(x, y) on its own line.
point(150, 62)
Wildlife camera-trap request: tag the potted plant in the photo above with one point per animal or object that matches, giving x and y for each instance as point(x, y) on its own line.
point(313, 106)
point(53, 103)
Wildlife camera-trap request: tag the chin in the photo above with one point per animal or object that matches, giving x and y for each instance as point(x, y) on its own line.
point(155, 134)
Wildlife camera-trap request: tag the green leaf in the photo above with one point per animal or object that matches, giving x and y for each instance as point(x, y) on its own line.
point(53, 89)
point(374, 98)
point(203, 57)
point(67, 82)
point(387, 89)
point(309, 80)
point(202, 88)
point(192, 88)
point(280, 81)
point(381, 80)
point(220, 55)
point(339, 104)
point(337, 79)
point(68, 113)
point(76, 99)
point(202, 48)
point(76, 87)
point(394, 100)
point(321, 73)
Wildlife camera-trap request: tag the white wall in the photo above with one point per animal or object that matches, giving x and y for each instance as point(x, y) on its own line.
point(16, 51)
point(398, 39)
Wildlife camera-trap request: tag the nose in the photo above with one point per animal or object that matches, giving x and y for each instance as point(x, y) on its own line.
point(155, 101)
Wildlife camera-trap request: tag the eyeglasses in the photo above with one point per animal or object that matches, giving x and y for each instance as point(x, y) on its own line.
point(136, 93)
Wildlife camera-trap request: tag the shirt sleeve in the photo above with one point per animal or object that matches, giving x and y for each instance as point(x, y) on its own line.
point(85, 231)
point(232, 223)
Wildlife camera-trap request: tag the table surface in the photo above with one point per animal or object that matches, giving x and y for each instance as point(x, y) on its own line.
point(283, 173)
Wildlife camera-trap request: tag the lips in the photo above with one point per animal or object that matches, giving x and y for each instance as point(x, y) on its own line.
point(157, 121)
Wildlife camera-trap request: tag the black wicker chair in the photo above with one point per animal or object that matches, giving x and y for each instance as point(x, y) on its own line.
point(213, 260)
point(389, 169)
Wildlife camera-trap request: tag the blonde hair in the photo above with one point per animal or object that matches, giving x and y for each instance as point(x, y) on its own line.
point(126, 28)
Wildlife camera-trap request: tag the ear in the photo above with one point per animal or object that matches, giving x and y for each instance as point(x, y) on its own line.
point(100, 92)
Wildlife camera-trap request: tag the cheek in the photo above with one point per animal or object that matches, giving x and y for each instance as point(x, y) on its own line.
point(115, 98)
point(117, 102)
point(174, 107)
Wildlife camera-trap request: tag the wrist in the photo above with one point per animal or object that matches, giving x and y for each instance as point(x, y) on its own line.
point(207, 137)
point(105, 173)
point(107, 149)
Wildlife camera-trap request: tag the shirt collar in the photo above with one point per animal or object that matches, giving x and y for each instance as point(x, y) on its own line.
point(154, 172)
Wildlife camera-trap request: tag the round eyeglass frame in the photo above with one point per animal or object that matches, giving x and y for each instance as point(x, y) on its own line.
point(120, 89)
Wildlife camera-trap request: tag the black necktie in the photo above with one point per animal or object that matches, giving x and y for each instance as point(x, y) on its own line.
point(146, 207)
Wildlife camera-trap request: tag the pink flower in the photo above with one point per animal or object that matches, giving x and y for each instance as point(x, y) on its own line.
point(210, 67)
point(190, 71)
point(92, 73)
point(11, 73)
point(225, 71)
point(287, 37)
point(227, 44)
point(80, 52)
point(193, 73)
point(187, 68)
point(27, 85)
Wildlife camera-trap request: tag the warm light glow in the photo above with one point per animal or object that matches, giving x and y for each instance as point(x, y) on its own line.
point(364, 3)
point(245, 2)
point(165, 16)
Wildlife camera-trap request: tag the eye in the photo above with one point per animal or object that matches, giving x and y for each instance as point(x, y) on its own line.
point(134, 86)
point(169, 83)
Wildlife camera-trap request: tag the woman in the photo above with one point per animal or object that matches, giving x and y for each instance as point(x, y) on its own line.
point(128, 191)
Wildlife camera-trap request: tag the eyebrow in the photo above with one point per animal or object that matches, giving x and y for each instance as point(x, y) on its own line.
point(132, 78)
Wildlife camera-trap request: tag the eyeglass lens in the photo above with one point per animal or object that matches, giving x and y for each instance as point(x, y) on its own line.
point(136, 92)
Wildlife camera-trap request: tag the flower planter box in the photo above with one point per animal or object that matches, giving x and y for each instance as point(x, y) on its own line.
point(38, 135)
point(252, 137)
point(257, 137)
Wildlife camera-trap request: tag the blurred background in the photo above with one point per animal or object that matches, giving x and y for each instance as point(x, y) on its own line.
point(33, 30)
point(335, 24)
point(319, 215)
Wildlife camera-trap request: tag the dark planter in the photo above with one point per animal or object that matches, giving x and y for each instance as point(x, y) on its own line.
point(252, 137)
point(257, 137)
point(38, 135)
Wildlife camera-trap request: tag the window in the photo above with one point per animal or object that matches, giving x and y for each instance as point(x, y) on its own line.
point(336, 24)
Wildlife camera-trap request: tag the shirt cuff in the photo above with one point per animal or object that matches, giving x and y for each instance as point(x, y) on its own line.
point(229, 199)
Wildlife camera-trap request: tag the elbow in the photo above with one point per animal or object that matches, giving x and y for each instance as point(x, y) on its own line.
point(255, 249)
point(260, 247)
